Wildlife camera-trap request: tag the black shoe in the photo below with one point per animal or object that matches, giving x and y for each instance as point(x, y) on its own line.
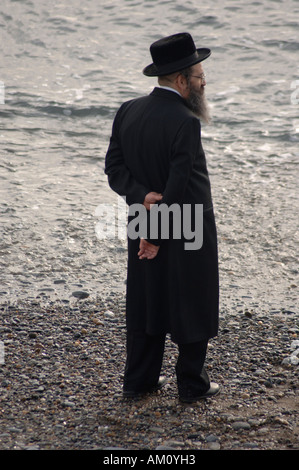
point(140, 393)
point(213, 390)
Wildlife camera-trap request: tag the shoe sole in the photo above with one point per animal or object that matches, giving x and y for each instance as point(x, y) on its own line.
point(202, 397)
point(129, 394)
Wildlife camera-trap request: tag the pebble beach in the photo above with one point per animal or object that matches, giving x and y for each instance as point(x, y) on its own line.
point(61, 383)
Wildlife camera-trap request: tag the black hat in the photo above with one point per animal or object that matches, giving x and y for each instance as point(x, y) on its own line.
point(174, 53)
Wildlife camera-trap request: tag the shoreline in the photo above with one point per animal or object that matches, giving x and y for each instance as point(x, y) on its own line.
point(61, 385)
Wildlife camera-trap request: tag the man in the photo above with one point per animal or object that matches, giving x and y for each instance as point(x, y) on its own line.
point(155, 159)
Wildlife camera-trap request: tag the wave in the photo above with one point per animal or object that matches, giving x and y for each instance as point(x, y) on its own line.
point(22, 108)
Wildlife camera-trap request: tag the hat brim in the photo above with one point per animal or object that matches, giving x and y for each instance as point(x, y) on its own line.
point(154, 71)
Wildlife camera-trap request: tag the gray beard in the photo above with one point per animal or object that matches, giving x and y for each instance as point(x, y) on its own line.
point(197, 102)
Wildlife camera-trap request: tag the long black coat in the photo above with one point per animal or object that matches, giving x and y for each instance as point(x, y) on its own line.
point(156, 146)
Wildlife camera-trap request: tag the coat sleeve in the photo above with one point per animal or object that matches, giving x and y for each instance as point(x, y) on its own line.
point(183, 153)
point(119, 177)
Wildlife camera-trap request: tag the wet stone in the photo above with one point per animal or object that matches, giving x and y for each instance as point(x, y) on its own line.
point(80, 294)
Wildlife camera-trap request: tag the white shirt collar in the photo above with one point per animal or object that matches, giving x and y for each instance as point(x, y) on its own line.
point(170, 89)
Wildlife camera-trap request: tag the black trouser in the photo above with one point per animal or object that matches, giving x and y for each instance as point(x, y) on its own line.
point(144, 362)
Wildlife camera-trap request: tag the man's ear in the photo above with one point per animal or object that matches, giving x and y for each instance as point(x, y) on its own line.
point(182, 84)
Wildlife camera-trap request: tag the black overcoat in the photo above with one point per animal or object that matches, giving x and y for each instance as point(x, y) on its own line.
point(156, 146)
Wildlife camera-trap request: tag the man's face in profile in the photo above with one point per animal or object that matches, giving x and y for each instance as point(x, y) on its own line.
point(196, 99)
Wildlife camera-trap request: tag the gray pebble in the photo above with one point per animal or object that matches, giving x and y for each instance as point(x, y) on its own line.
point(68, 404)
point(164, 447)
point(214, 446)
point(80, 294)
point(156, 429)
point(212, 438)
point(238, 425)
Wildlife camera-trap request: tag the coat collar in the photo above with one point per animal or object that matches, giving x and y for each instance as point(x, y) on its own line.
point(162, 92)
point(170, 89)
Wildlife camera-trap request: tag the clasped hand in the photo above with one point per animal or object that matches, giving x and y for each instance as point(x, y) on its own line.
point(148, 250)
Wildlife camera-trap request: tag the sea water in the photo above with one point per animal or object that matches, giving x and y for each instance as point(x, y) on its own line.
point(65, 69)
